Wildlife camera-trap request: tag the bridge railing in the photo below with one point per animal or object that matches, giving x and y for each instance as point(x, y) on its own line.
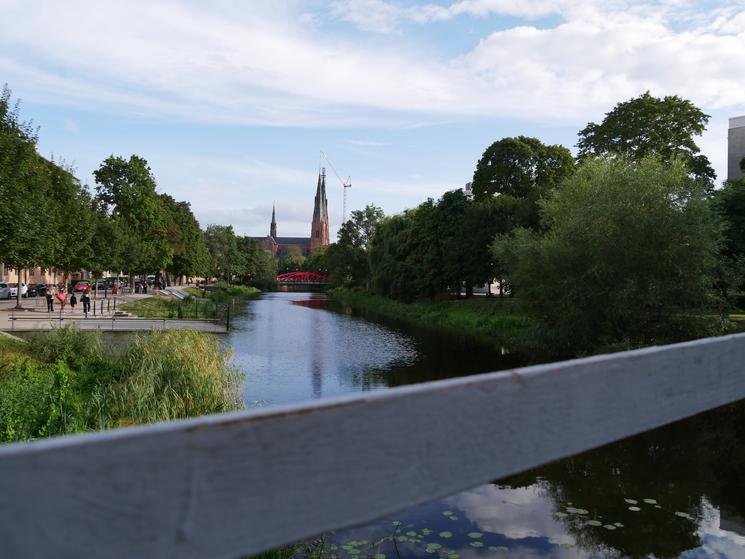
point(241, 483)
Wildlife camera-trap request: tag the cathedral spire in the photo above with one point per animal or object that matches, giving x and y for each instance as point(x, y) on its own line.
point(273, 226)
point(319, 231)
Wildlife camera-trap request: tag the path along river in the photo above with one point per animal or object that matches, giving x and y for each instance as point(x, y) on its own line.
point(678, 491)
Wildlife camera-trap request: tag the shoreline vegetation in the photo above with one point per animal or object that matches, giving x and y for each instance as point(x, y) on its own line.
point(64, 381)
point(198, 305)
point(493, 321)
point(501, 323)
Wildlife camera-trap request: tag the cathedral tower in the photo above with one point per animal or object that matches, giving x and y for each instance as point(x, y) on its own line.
point(273, 226)
point(319, 230)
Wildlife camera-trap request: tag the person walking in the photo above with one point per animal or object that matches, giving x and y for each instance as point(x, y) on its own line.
point(62, 298)
point(86, 300)
point(73, 302)
point(49, 295)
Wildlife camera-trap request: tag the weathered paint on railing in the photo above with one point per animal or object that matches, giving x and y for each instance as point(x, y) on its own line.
point(223, 486)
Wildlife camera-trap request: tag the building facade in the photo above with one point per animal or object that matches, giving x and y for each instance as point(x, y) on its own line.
point(735, 147)
point(319, 228)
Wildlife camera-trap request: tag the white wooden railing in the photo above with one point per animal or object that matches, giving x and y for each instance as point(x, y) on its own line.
point(223, 486)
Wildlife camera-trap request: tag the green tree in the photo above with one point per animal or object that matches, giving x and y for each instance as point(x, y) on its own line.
point(27, 227)
point(186, 240)
point(71, 205)
point(519, 166)
point(260, 268)
point(347, 259)
point(225, 256)
point(127, 189)
point(647, 125)
point(628, 254)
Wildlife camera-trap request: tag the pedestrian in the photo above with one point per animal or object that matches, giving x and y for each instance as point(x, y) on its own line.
point(86, 300)
point(73, 302)
point(62, 298)
point(144, 286)
point(49, 295)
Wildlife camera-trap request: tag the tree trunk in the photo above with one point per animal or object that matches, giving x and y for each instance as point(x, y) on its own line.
point(18, 288)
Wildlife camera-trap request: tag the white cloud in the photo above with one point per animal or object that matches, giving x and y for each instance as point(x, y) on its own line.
point(273, 65)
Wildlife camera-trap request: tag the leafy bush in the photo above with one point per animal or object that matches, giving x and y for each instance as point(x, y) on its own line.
point(627, 255)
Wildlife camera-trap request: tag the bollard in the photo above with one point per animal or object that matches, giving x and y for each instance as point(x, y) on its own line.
point(101, 307)
point(114, 303)
point(94, 308)
point(108, 305)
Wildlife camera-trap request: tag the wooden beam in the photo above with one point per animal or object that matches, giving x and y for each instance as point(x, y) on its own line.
point(223, 486)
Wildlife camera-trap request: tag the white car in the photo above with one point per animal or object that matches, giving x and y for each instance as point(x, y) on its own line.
point(4, 291)
point(14, 290)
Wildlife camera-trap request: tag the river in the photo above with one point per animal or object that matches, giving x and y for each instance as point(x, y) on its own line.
point(678, 491)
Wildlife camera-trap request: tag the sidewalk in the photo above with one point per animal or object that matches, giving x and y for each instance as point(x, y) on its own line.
point(34, 316)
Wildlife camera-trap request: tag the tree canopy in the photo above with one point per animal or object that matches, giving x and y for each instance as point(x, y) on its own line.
point(519, 167)
point(627, 253)
point(647, 125)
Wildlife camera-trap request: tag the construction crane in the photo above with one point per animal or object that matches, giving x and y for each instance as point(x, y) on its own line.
point(345, 183)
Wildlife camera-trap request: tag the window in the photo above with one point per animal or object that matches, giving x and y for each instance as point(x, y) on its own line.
point(318, 234)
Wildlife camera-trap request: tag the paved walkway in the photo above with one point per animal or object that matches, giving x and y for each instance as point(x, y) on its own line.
point(34, 316)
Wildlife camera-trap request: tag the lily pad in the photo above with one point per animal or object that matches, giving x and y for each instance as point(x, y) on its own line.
point(560, 514)
point(411, 534)
point(453, 517)
point(426, 531)
point(683, 515)
point(609, 527)
point(396, 523)
point(447, 513)
point(379, 556)
point(632, 501)
point(634, 509)
point(476, 544)
point(475, 535)
point(618, 525)
point(446, 534)
point(650, 501)
point(594, 523)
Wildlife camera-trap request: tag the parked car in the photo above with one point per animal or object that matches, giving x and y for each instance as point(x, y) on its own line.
point(32, 291)
point(82, 286)
point(14, 289)
point(4, 291)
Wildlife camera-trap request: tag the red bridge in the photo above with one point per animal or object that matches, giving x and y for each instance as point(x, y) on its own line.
point(303, 278)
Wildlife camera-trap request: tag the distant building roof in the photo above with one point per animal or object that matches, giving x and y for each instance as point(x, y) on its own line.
point(292, 240)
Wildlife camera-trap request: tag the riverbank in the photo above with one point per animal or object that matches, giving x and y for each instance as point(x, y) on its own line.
point(66, 382)
point(197, 304)
point(492, 321)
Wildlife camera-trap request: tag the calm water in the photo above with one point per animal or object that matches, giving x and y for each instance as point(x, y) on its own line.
point(678, 491)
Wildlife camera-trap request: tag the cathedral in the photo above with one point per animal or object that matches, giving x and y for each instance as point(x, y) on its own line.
point(319, 228)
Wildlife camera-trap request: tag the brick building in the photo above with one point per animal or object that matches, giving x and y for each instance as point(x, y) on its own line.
point(319, 228)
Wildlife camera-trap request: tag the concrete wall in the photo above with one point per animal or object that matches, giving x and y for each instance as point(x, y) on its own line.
point(735, 147)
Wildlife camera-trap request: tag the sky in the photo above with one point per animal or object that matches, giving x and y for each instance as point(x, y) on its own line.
point(231, 102)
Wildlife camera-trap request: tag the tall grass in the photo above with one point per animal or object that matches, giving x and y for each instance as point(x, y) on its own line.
point(174, 374)
point(63, 382)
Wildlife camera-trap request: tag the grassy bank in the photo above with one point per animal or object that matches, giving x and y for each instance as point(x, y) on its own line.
point(157, 306)
point(63, 382)
point(492, 321)
point(224, 293)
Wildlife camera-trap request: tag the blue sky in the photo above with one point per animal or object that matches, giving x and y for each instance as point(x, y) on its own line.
point(232, 101)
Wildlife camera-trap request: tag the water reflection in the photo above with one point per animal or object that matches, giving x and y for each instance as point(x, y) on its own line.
point(673, 492)
point(678, 491)
point(294, 348)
